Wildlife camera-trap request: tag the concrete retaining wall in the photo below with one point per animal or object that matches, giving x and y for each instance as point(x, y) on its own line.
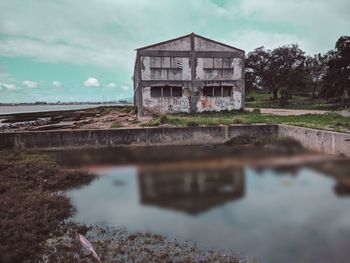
point(131, 137)
point(317, 140)
point(322, 141)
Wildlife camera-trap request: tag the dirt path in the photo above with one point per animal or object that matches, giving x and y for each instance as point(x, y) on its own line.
point(289, 112)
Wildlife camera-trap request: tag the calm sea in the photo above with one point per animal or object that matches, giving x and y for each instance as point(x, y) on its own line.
point(42, 108)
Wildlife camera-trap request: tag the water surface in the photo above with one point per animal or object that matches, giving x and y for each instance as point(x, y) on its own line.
point(290, 214)
point(13, 109)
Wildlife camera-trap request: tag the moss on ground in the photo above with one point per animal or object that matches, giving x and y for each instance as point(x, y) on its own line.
point(31, 211)
point(116, 125)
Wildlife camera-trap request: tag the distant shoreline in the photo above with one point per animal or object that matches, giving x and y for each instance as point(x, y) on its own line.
point(66, 103)
point(32, 108)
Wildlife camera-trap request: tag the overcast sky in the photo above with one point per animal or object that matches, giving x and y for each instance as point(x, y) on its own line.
point(84, 50)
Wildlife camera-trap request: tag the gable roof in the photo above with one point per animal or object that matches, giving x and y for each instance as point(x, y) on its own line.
point(188, 36)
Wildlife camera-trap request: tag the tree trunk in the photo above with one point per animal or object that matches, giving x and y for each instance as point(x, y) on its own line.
point(275, 94)
point(314, 89)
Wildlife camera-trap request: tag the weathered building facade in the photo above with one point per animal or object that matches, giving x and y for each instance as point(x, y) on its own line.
point(188, 74)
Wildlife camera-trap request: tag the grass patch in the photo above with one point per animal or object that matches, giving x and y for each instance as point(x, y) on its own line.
point(108, 109)
point(329, 121)
point(125, 109)
point(265, 100)
point(116, 125)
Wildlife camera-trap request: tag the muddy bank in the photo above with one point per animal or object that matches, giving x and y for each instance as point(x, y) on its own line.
point(118, 245)
point(31, 208)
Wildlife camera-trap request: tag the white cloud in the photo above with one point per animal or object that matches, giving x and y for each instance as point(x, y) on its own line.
point(56, 84)
point(30, 84)
point(319, 23)
point(111, 85)
point(125, 87)
point(92, 82)
point(249, 40)
point(8, 86)
point(107, 32)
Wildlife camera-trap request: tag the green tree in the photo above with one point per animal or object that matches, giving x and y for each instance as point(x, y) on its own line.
point(316, 68)
point(280, 68)
point(337, 76)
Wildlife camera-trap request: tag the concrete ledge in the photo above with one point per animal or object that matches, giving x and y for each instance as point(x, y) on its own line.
point(318, 140)
point(131, 137)
point(322, 141)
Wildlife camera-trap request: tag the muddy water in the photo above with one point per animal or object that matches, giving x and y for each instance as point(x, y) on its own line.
point(278, 213)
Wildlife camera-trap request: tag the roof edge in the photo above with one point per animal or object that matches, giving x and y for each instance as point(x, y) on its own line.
point(189, 35)
point(219, 43)
point(164, 42)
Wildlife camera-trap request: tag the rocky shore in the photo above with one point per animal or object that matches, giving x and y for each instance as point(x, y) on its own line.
point(94, 118)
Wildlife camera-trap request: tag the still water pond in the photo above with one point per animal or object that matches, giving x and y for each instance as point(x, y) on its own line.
point(274, 215)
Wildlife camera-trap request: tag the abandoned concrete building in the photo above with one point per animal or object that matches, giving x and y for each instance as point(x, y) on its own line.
point(188, 74)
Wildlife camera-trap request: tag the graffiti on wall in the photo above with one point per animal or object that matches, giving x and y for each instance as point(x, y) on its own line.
point(219, 103)
point(205, 103)
point(183, 104)
point(165, 104)
point(224, 103)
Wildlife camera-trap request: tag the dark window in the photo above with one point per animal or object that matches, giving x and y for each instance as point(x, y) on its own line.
point(217, 91)
point(176, 92)
point(166, 91)
point(226, 91)
point(156, 92)
point(208, 91)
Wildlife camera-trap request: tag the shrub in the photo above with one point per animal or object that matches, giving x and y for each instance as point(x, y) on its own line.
point(163, 118)
point(240, 140)
point(116, 125)
point(192, 123)
point(249, 99)
point(238, 120)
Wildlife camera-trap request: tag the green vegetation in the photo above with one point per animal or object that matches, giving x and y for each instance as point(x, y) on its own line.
point(329, 121)
point(287, 71)
point(265, 100)
point(116, 125)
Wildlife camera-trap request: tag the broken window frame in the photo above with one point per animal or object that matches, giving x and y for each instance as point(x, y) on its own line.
point(170, 88)
point(172, 63)
point(214, 91)
point(226, 63)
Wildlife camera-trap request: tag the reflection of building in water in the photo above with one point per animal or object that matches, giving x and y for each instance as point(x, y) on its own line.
point(191, 191)
point(340, 171)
